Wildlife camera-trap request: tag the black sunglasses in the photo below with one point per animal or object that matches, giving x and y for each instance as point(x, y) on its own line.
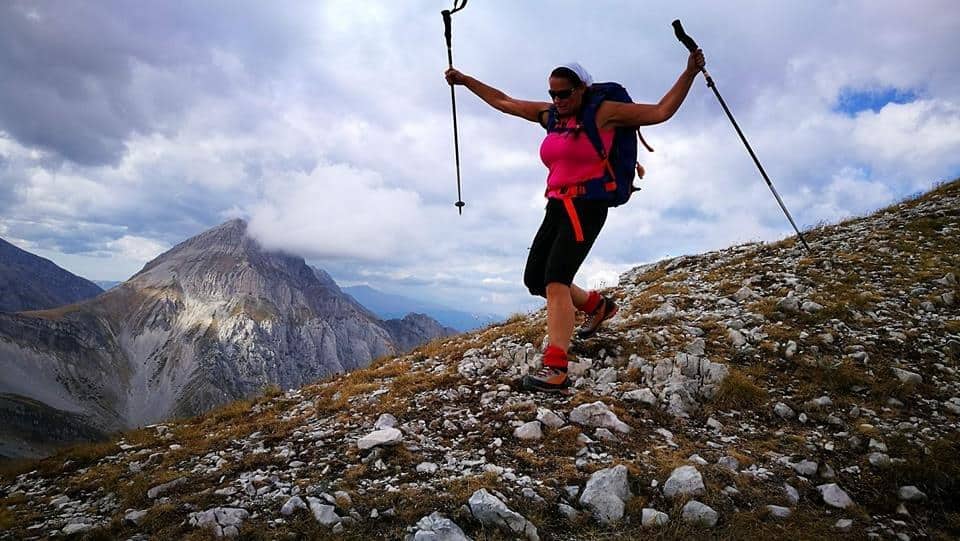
point(560, 94)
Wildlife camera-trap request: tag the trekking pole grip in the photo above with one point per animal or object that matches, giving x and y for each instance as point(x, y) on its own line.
point(683, 37)
point(446, 25)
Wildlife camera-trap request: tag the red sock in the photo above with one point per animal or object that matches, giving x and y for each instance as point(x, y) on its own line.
point(593, 301)
point(555, 357)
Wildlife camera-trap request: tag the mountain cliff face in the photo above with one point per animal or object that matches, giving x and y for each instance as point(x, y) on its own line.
point(212, 320)
point(29, 282)
point(756, 392)
point(406, 333)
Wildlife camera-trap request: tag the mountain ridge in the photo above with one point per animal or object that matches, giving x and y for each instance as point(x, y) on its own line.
point(30, 282)
point(758, 391)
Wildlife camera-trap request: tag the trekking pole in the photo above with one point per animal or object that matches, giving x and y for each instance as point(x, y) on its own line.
point(457, 6)
point(692, 46)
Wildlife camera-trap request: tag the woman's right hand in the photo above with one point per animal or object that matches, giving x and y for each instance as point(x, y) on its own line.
point(696, 62)
point(454, 77)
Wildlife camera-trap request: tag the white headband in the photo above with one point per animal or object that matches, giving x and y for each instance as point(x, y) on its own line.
point(580, 71)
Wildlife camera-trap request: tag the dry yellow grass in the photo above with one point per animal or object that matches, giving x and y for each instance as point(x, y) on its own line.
point(652, 275)
point(561, 442)
point(7, 518)
point(133, 492)
point(739, 391)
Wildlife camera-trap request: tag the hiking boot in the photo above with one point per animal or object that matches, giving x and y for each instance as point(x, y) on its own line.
point(548, 380)
point(604, 311)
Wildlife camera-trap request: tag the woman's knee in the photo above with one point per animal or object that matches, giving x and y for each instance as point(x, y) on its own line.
point(558, 289)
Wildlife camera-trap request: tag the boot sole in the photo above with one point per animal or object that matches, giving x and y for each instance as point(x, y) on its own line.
point(527, 384)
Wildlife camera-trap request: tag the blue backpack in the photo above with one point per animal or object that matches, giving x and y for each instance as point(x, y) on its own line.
point(616, 185)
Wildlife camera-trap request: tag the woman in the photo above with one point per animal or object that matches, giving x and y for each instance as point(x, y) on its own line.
point(560, 247)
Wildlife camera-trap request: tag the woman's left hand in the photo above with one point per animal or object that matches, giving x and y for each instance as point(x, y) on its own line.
point(696, 62)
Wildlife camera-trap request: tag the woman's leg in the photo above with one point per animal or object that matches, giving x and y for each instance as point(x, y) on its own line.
point(565, 257)
point(579, 296)
point(562, 303)
point(560, 314)
point(562, 259)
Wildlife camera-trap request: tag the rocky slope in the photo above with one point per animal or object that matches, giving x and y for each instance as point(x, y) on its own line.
point(754, 392)
point(214, 319)
point(29, 282)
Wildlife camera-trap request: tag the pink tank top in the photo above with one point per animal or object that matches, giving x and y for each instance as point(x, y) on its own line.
point(571, 158)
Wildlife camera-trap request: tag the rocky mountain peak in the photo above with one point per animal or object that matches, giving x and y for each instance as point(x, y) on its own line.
point(217, 258)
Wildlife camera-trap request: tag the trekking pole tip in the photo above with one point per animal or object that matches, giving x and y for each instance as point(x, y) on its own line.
point(460, 205)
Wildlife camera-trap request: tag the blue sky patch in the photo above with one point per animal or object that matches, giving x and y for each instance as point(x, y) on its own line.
point(852, 101)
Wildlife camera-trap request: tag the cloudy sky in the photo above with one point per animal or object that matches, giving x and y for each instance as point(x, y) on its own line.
point(127, 127)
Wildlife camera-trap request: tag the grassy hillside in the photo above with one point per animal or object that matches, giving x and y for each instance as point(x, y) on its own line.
point(760, 365)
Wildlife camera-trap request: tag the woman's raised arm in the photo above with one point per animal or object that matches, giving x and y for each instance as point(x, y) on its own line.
point(633, 115)
point(529, 110)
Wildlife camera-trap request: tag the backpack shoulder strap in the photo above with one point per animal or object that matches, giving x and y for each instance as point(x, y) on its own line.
point(590, 128)
point(595, 96)
point(552, 115)
point(543, 118)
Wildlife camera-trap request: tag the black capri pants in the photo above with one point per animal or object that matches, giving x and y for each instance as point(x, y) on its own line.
point(556, 256)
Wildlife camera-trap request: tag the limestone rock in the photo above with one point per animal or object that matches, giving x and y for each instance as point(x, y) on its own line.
point(162, 489)
point(651, 517)
point(222, 521)
point(792, 495)
point(529, 431)
point(779, 512)
point(729, 462)
point(834, 496)
point(789, 305)
point(492, 512)
point(784, 411)
point(606, 494)
point(292, 505)
point(843, 525)
point(684, 481)
point(436, 527)
point(385, 421)
point(549, 418)
point(325, 514)
point(908, 378)
point(134, 517)
point(384, 436)
point(700, 514)
point(77, 527)
point(911, 493)
point(598, 415)
point(427, 467)
point(644, 396)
